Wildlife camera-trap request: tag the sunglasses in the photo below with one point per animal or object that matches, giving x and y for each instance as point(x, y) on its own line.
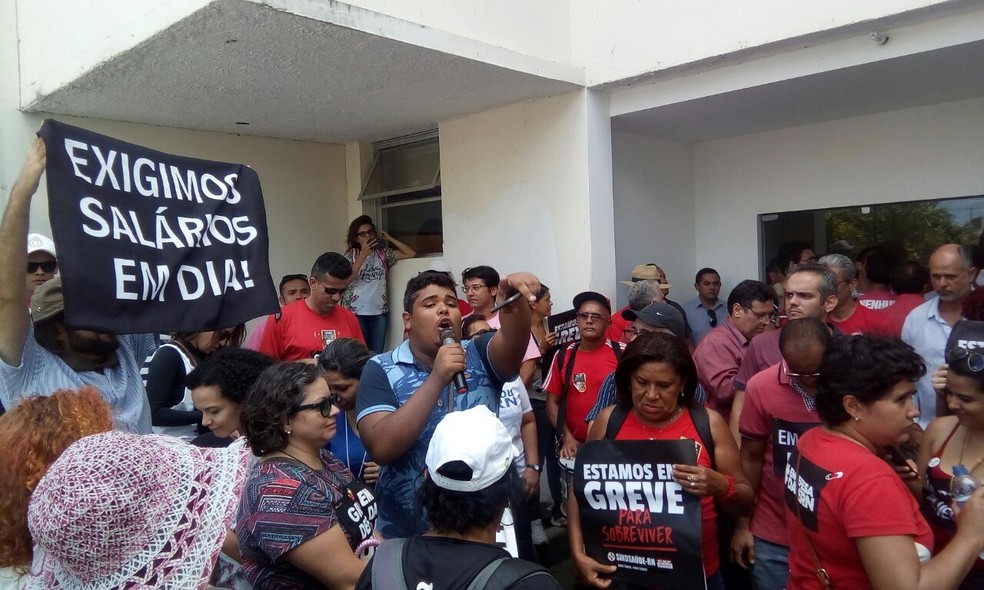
point(785, 369)
point(330, 291)
point(46, 266)
point(712, 318)
point(589, 316)
point(323, 407)
point(975, 360)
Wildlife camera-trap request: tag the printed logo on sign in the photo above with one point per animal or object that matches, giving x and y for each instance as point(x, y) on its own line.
point(580, 382)
point(664, 564)
point(326, 337)
point(611, 556)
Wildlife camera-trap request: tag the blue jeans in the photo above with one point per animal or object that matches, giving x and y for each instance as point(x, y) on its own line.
point(771, 569)
point(374, 331)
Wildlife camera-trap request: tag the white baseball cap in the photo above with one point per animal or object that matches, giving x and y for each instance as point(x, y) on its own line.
point(40, 243)
point(477, 438)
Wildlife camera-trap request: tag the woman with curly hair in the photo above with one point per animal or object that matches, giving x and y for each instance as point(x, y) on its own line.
point(303, 516)
point(32, 435)
point(218, 387)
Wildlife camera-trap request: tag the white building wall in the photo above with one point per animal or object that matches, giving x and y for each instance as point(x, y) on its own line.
point(927, 152)
point(654, 211)
point(515, 194)
point(625, 38)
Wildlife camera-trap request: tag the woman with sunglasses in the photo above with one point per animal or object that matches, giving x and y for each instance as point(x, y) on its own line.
point(303, 518)
point(172, 409)
point(371, 261)
point(957, 439)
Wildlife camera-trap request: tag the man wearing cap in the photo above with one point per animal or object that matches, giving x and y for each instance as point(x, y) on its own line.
point(656, 317)
point(465, 492)
point(39, 354)
point(41, 262)
point(705, 311)
point(576, 375)
point(719, 355)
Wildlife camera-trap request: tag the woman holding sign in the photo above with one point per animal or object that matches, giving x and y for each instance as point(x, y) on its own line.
point(656, 380)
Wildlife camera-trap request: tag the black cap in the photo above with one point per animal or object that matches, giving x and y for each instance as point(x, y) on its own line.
point(585, 296)
point(660, 315)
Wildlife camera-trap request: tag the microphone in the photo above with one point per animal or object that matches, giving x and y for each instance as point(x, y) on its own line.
point(447, 337)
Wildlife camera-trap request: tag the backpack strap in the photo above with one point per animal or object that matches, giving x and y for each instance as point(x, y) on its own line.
point(505, 573)
point(617, 349)
point(615, 420)
point(702, 422)
point(387, 566)
point(568, 372)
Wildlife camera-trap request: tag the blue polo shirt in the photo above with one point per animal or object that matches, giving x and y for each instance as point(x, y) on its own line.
point(388, 380)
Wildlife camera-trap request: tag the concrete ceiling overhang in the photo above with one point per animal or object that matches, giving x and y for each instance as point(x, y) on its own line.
point(311, 71)
point(943, 75)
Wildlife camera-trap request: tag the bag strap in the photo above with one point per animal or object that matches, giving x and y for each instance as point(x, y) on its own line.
point(821, 573)
point(702, 422)
point(387, 566)
point(615, 421)
point(564, 385)
point(505, 573)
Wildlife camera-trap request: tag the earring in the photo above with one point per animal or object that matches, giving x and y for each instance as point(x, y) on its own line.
point(857, 418)
point(287, 431)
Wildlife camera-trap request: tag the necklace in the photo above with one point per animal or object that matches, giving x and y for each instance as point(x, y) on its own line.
point(964, 448)
point(663, 426)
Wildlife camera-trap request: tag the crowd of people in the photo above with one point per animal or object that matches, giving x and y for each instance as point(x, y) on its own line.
point(830, 408)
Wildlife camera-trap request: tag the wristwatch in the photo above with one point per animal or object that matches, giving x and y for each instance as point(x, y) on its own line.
point(533, 467)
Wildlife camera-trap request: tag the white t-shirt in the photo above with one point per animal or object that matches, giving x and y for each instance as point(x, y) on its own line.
point(513, 403)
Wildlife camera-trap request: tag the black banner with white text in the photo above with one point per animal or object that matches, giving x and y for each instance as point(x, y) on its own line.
point(153, 242)
point(635, 516)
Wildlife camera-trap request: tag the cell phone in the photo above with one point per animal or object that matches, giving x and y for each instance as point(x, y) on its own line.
point(507, 301)
point(895, 457)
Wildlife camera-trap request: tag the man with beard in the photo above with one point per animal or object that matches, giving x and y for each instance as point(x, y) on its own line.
point(39, 353)
point(405, 392)
point(927, 327)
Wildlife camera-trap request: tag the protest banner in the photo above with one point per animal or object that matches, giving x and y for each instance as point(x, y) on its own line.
point(153, 242)
point(635, 516)
point(564, 325)
point(784, 437)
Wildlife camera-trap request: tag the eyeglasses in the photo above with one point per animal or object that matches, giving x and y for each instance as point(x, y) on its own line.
point(323, 407)
point(975, 360)
point(590, 316)
point(712, 318)
point(764, 317)
point(46, 266)
point(367, 233)
point(785, 369)
point(475, 287)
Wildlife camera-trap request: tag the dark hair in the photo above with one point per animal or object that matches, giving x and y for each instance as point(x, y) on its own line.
point(332, 263)
point(773, 265)
point(828, 280)
point(656, 347)
point(705, 271)
point(289, 278)
point(803, 333)
point(909, 277)
point(232, 370)
point(878, 265)
point(542, 292)
point(450, 511)
point(468, 322)
point(422, 281)
point(972, 307)
point(236, 339)
point(352, 238)
point(747, 292)
point(866, 367)
point(271, 401)
point(488, 275)
point(790, 252)
point(347, 356)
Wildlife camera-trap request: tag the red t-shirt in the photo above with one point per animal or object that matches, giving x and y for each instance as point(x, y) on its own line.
point(774, 412)
point(616, 326)
point(300, 333)
point(877, 299)
point(590, 370)
point(898, 311)
point(683, 427)
point(863, 321)
point(853, 494)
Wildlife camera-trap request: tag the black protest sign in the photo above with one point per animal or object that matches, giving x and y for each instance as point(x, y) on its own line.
point(804, 482)
point(564, 325)
point(784, 437)
point(635, 516)
point(152, 242)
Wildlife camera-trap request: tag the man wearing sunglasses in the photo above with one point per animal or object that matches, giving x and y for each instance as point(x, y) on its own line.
point(41, 262)
point(303, 328)
point(39, 354)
